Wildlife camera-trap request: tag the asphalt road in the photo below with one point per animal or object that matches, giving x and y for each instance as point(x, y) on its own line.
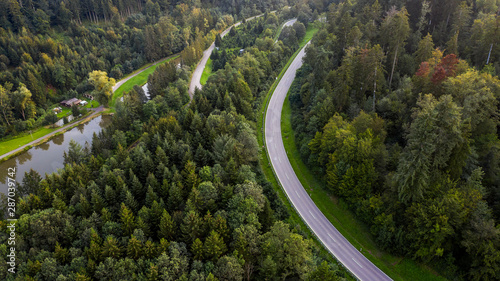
point(288, 23)
point(349, 256)
point(196, 77)
point(123, 81)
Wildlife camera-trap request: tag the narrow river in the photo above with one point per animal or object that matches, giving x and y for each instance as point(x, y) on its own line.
point(48, 157)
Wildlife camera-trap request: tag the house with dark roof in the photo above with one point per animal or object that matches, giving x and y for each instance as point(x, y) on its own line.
point(70, 102)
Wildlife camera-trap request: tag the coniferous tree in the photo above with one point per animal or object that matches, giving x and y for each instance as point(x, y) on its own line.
point(214, 247)
point(166, 226)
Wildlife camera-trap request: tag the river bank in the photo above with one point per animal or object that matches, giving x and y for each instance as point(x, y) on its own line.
point(47, 157)
point(49, 136)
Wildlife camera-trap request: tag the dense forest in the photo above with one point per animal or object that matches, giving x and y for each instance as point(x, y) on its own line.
point(396, 108)
point(48, 48)
point(171, 190)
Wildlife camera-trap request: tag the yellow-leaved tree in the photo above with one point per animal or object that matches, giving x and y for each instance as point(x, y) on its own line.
point(103, 86)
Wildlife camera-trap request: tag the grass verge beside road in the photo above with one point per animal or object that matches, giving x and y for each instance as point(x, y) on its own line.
point(294, 220)
point(358, 234)
point(140, 79)
point(207, 72)
point(278, 32)
point(25, 138)
point(312, 28)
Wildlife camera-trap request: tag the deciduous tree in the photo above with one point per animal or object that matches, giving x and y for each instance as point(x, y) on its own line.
point(103, 86)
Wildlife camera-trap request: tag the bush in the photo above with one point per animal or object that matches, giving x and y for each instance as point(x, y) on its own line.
point(50, 118)
point(20, 125)
point(30, 123)
point(39, 122)
point(75, 111)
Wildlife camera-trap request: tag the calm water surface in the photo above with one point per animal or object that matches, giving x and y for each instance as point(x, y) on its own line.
point(48, 157)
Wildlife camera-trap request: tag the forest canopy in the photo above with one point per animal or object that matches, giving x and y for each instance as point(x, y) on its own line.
point(396, 108)
point(172, 189)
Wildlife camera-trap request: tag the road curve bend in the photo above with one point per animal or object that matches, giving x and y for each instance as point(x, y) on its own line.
point(288, 23)
point(124, 80)
point(196, 77)
point(331, 238)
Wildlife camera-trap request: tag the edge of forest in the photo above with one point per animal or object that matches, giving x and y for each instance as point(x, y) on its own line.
point(343, 219)
point(267, 169)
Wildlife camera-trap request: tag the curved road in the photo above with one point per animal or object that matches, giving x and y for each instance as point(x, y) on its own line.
point(124, 80)
point(196, 77)
point(288, 23)
point(331, 238)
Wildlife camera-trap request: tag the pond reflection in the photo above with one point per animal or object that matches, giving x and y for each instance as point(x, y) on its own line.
point(59, 139)
point(48, 157)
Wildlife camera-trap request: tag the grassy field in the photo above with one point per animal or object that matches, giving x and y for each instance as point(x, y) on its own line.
point(65, 111)
point(91, 103)
point(398, 268)
point(139, 79)
point(23, 139)
point(207, 71)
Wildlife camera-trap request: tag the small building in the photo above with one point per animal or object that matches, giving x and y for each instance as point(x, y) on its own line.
point(241, 51)
point(83, 102)
point(57, 110)
point(70, 102)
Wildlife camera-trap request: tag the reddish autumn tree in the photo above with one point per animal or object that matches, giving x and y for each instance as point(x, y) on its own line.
point(434, 71)
point(446, 68)
point(439, 75)
point(424, 69)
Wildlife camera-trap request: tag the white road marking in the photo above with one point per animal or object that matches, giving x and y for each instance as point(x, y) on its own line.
point(343, 250)
point(312, 214)
point(297, 193)
point(287, 176)
point(332, 238)
point(279, 159)
point(357, 263)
